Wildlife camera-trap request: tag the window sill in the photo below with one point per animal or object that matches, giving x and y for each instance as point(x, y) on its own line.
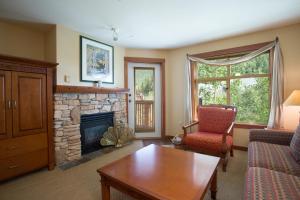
point(249, 126)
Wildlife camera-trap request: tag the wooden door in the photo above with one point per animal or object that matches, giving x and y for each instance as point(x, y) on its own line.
point(29, 103)
point(5, 105)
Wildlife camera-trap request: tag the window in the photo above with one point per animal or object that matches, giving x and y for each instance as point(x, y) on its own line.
point(245, 85)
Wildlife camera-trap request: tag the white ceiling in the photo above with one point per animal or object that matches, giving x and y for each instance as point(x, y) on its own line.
point(157, 23)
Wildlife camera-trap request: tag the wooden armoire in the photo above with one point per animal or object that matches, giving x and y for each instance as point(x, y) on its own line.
point(26, 115)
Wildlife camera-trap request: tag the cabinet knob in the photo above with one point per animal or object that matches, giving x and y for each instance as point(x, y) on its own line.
point(9, 104)
point(13, 166)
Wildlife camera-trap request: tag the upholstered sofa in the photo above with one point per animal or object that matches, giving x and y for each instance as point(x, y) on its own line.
point(273, 165)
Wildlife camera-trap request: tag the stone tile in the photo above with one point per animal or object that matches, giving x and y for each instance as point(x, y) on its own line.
point(85, 112)
point(106, 108)
point(101, 97)
point(72, 102)
point(83, 96)
point(70, 96)
point(95, 102)
point(89, 107)
point(112, 95)
point(61, 107)
point(75, 115)
point(58, 102)
point(92, 96)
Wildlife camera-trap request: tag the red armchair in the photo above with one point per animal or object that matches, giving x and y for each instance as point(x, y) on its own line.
point(214, 135)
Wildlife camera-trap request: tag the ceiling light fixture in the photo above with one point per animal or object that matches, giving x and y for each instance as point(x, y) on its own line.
point(115, 33)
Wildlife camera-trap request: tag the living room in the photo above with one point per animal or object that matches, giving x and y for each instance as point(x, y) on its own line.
point(150, 73)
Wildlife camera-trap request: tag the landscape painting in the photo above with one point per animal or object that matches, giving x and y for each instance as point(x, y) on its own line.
point(96, 61)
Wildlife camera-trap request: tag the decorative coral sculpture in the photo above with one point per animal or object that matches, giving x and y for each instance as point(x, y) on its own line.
point(119, 135)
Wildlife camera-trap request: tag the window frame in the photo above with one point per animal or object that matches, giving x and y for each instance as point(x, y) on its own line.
point(226, 53)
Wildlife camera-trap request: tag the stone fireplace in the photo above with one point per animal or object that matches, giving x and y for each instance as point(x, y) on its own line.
point(68, 110)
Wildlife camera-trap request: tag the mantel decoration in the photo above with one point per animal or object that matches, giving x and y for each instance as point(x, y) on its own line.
point(119, 135)
point(97, 61)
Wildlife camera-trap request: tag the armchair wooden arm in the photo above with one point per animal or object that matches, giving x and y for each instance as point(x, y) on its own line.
point(230, 129)
point(228, 132)
point(188, 126)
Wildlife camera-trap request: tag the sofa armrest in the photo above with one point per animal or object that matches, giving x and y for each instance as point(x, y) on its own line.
point(271, 136)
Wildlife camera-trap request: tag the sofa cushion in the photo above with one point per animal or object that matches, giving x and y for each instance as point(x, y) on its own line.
point(209, 142)
point(272, 156)
point(266, 184)
point(214, 119)
point(295, 145)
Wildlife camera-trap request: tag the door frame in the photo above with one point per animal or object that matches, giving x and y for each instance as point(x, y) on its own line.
point(161, 62)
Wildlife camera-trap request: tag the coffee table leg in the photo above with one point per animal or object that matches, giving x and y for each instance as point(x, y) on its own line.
point(105, 188)
point(213, 186)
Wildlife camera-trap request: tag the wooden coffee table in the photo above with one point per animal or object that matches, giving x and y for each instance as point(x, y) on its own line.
point(155, 172)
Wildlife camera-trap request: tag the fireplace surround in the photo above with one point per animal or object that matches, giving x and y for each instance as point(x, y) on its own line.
point(68, 110)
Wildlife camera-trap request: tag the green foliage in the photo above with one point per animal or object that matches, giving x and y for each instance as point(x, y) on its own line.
point(250, 95)
point(213, 92)
point(206, 71)
point(147, 86)
point(144, 84)
point(257, 65)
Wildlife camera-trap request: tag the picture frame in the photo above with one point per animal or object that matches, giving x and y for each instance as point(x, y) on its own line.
point(96, 61)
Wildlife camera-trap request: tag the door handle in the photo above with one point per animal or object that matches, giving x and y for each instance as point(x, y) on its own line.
point(9, 104)
point(129, 101)
point(14, 104)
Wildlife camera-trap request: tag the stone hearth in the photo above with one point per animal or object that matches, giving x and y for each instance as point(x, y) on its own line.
point(68, 107)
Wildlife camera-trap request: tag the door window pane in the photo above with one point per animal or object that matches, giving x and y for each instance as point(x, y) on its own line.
point(144, 92)
point(251, 97)
point(144, 83)
point(213, 92)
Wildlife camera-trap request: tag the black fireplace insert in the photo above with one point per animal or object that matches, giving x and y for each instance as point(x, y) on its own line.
point(92, 128)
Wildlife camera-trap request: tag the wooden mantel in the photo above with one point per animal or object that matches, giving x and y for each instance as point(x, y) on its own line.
point(84, 89)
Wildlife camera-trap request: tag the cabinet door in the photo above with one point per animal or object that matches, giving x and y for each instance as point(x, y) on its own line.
point(5, 105)
point(29, 103)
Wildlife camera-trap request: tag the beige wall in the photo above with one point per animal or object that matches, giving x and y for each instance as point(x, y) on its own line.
point(22, 41)
point(50, 45)
point(68, 55)
point(61, 45)
point(290, 44)
point(147, 53)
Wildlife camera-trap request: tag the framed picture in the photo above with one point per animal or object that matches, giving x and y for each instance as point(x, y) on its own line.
point(96, 60)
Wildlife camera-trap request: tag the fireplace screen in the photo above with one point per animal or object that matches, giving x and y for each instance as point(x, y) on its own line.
point(92, 128)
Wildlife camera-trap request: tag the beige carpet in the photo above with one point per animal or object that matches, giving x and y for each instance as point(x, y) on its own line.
point(82, 182)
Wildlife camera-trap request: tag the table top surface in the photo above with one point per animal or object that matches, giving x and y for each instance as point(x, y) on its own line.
point(164, 173)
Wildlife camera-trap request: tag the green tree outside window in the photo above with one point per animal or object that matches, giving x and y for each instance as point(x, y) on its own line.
point(245, 85)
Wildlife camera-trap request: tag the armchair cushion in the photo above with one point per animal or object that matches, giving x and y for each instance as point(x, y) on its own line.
point(295, 145)
point(208, 142)
point(214, 119)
